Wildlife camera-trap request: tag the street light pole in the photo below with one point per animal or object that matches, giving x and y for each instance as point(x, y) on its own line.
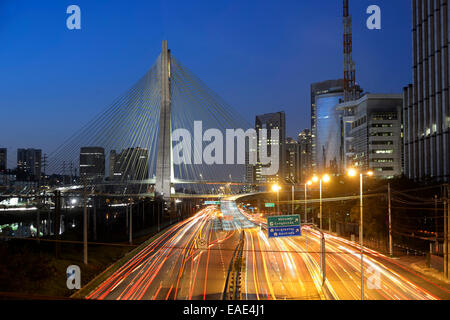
point(131, 224)
point(325, 178)
point(320, 210)
point(361, 236)
point(276, 188)
point(278, 201)
point(306, 206)
point(322, 258)
point(306, 217)
point(322, 252)
point(446, 229)
point(391, 253)
point(353, 173)
point(85, 246)
point(293, 195)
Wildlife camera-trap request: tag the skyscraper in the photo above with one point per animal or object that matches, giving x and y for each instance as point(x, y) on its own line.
point(249, 168)
point(333, 88)
point(29, 164)
point(426, 106)
point(130, 164)
point(305, 145)
point(328, 139)
point(327, 125)
point(92, 163)
point(292, 164)
point(269, 121)
point(373, 138)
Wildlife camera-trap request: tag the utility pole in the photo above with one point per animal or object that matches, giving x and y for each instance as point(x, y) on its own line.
point(159, 212)
point(95, 218)
point(390, 221)
point(320, 209)
point(85, 247)
point(322, 257)
point(278, 202)
point(64, 172)
point(57, 223)
point(71, 170)
point(143, 213)
point(322, 252)
point(446, 228)
point(153, 210)
point(127, 219)
point(448, 224)
point(131, 223)
point(44, 164)
point(329, 220)
point(38, 224)
point(306, 206)
point(38, 218)
point(436, 229)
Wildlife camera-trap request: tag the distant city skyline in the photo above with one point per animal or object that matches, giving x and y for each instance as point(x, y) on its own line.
point(55, 80)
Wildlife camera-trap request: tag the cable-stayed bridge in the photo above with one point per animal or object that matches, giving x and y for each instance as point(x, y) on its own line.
point(194, 255)
point(136, 130)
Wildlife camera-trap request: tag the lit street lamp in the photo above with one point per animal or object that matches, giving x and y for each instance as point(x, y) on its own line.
point(353, 173)
point(306, 212)
point(276, 188)
point(325, 178)
point(292, 195)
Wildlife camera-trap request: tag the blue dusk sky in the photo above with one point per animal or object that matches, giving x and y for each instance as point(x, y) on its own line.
point(260, 56)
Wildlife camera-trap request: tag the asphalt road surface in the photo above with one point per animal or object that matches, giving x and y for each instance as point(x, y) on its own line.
point(191, 260)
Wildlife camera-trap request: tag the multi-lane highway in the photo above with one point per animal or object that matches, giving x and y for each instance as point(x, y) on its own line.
point(191, 260)
point(289, 268)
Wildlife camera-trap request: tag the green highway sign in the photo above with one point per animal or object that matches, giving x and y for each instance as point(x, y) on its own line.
point(270, 205)
point(284, 226)
point(283, 221)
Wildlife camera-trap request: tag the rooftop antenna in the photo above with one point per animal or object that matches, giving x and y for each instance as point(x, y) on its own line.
point(349, 65)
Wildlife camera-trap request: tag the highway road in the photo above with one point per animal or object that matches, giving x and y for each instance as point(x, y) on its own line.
point(191, 260)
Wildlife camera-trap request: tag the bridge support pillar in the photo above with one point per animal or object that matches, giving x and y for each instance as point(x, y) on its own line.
point(164, 163)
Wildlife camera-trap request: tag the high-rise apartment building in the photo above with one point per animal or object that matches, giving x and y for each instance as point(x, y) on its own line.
point(325, 122)
point(130, 164)
point(305, 149)
point(327, 126)
point(92, 163)
point(271, 121)
point(292, 164)
point(426, 107)
point(29, 164)
point(372, 131)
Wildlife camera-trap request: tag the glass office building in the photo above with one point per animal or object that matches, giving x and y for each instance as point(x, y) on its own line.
point(328, 139)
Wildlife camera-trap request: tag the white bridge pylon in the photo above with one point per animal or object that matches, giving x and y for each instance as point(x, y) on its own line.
point(164, 161)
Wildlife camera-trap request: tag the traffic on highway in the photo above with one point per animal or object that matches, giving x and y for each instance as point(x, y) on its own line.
point(224, 252)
